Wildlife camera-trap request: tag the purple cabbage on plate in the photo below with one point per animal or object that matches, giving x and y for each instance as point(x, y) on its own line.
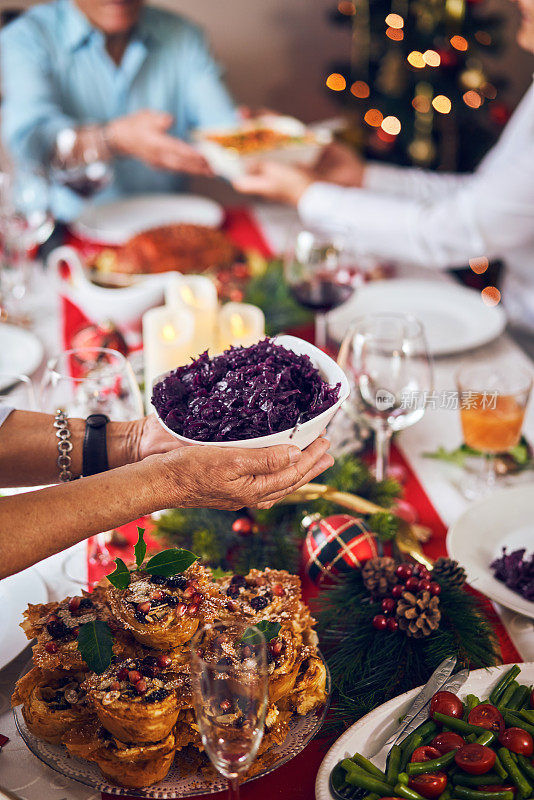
point(516, 572)
point(243, 393)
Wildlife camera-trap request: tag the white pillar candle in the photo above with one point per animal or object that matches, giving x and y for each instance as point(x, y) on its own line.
point(198, 294)
point(167, 335)
point(240, 324)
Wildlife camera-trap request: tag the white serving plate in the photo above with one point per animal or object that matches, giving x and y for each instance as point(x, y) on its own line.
point(304, 434)
point(454, 318)
point(115, 223)
point(21, 352)
point(15, 594)
point(230, 164)
point(502, 520)
point(368, 735)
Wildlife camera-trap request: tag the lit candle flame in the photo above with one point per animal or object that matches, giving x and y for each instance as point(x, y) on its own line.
point(168, 333)
point(188, 296)
point(237, 325)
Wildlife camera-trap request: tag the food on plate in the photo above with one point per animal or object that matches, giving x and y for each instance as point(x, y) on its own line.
point(182, 247)
point(258, 138)
point(135, 713)
point(472, 758)
point(516, 571)
point(244, 393)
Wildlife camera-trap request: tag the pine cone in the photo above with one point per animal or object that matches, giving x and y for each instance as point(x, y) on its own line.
point(379, 575)
point(450, 572)
point(418, 616)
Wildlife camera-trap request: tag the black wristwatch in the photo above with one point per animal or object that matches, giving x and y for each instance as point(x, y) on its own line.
point(95, 451)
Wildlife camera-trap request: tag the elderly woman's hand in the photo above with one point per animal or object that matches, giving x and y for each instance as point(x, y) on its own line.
point(232, 477)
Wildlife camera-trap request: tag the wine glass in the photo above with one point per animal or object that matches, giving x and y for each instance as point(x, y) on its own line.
point(320, 276)
point(92, 380)
point(386, 359)
point(16, 390)
point(78, 162)
point(230, 695)
point(492, 401)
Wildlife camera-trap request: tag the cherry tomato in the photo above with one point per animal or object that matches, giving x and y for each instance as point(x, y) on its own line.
point(446, 703)
point(425, 753)
point(447, 741)
point(475, 758)
point(495, 787)
point(518, 741)
point(430, 784)
point(487, 716)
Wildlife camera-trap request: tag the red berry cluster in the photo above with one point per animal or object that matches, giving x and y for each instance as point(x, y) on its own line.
point(413, 578)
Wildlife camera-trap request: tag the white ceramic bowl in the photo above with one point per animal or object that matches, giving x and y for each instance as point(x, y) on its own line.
point(303, 434)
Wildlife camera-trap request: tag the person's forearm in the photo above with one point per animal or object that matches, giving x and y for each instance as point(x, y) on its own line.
point(28, 448)
point(38, 524)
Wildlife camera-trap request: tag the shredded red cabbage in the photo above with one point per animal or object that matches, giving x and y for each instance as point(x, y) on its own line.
point(243, 393)
point(516, 572)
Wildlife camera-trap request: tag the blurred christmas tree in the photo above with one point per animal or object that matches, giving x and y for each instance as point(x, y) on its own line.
point(415, 87)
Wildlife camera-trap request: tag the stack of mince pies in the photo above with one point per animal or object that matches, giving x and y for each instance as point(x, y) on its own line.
point(137, 715)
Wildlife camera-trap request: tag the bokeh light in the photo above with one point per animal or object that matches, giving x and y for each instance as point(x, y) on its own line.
point(479, 265)
point(489, 91)
point(483, 38)
point(472, 99)
point(394, 21)
point(442, 104)
point(391, 125)
point(459, 43)
point(385, 137)
point(336, 82)
point(360, 89)
point(395, 34)
point(491, 296)
point(374, 117)
point(421, 103)
point(415, 58)
point(431, 58)
point(346, 7)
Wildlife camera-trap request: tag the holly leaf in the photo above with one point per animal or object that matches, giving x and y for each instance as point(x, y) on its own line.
point(269, 630)
point(120, 577)
point(95, 644)
point(170, 562)
point(140, 547)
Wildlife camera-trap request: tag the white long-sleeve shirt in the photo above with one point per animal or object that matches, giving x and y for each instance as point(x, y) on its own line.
point(440, 220)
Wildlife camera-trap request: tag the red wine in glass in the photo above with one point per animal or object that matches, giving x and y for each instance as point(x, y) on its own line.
point(322, 293)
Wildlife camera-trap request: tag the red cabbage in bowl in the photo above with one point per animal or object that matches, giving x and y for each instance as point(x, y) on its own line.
point(516, 571)
point(244, 393)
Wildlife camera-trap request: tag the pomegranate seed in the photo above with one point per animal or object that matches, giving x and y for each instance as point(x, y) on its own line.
point(156, 595)
point(225, 705)
point(51, 647)
point(122, 674)
point(164, 661)
point(193, 608)
point(144, 608)
point(276, 647)
point(141, 686)
point(189, 592)
point(74, 603)
point(134, 676)
point(278, 590)
point(197, 598)
point(115, 686)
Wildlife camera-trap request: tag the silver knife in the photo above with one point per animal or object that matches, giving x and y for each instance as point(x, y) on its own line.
point(439, 680)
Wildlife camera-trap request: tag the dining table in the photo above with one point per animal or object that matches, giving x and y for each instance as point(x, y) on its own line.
point(434, 487)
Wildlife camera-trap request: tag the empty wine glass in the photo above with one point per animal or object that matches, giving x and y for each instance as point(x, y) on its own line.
point(321, 275)
point(93, 380)
point(230, 695)
point(385, 358)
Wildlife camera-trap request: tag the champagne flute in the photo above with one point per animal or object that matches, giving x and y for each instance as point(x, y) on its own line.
point(492, 400)
point(92, 380)
point(386, 359)
point(230, 695)
point(320, 276)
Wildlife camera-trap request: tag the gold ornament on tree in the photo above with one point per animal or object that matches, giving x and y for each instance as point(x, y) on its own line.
point(418, 616)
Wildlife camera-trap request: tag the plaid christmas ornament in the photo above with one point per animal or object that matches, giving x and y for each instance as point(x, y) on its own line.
point(335, 545)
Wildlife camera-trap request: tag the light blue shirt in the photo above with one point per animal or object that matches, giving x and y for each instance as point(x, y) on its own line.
point(56, 73)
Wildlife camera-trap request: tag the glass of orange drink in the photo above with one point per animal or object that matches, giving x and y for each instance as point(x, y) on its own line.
point(492, 401)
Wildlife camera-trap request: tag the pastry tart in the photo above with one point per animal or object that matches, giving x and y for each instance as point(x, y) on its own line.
point(52, 702)
point(309, 690)
point(164, 613)
point(136, 700)
point(135, 766)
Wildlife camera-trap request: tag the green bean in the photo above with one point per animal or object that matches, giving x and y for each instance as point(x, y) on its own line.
point(472, 794)
point(503, 683)
point(519, 698)
point(523, 786)
point(456, 724)
point(393, 765)
point(526, 766)
point(470, 738)
point(507, 695)
point(404, 791)
point(499, 769)
point(410, 744)
point(368, 766)
point(370, 784)
point(527, 715)
point(486, 738)
point(513, 719)
point(445, 795)
point(489, 779)
point(371, 796)
point(402, 777)
point(435, 765)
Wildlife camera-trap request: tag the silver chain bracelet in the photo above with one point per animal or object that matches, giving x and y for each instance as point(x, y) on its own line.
point(64, 446)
